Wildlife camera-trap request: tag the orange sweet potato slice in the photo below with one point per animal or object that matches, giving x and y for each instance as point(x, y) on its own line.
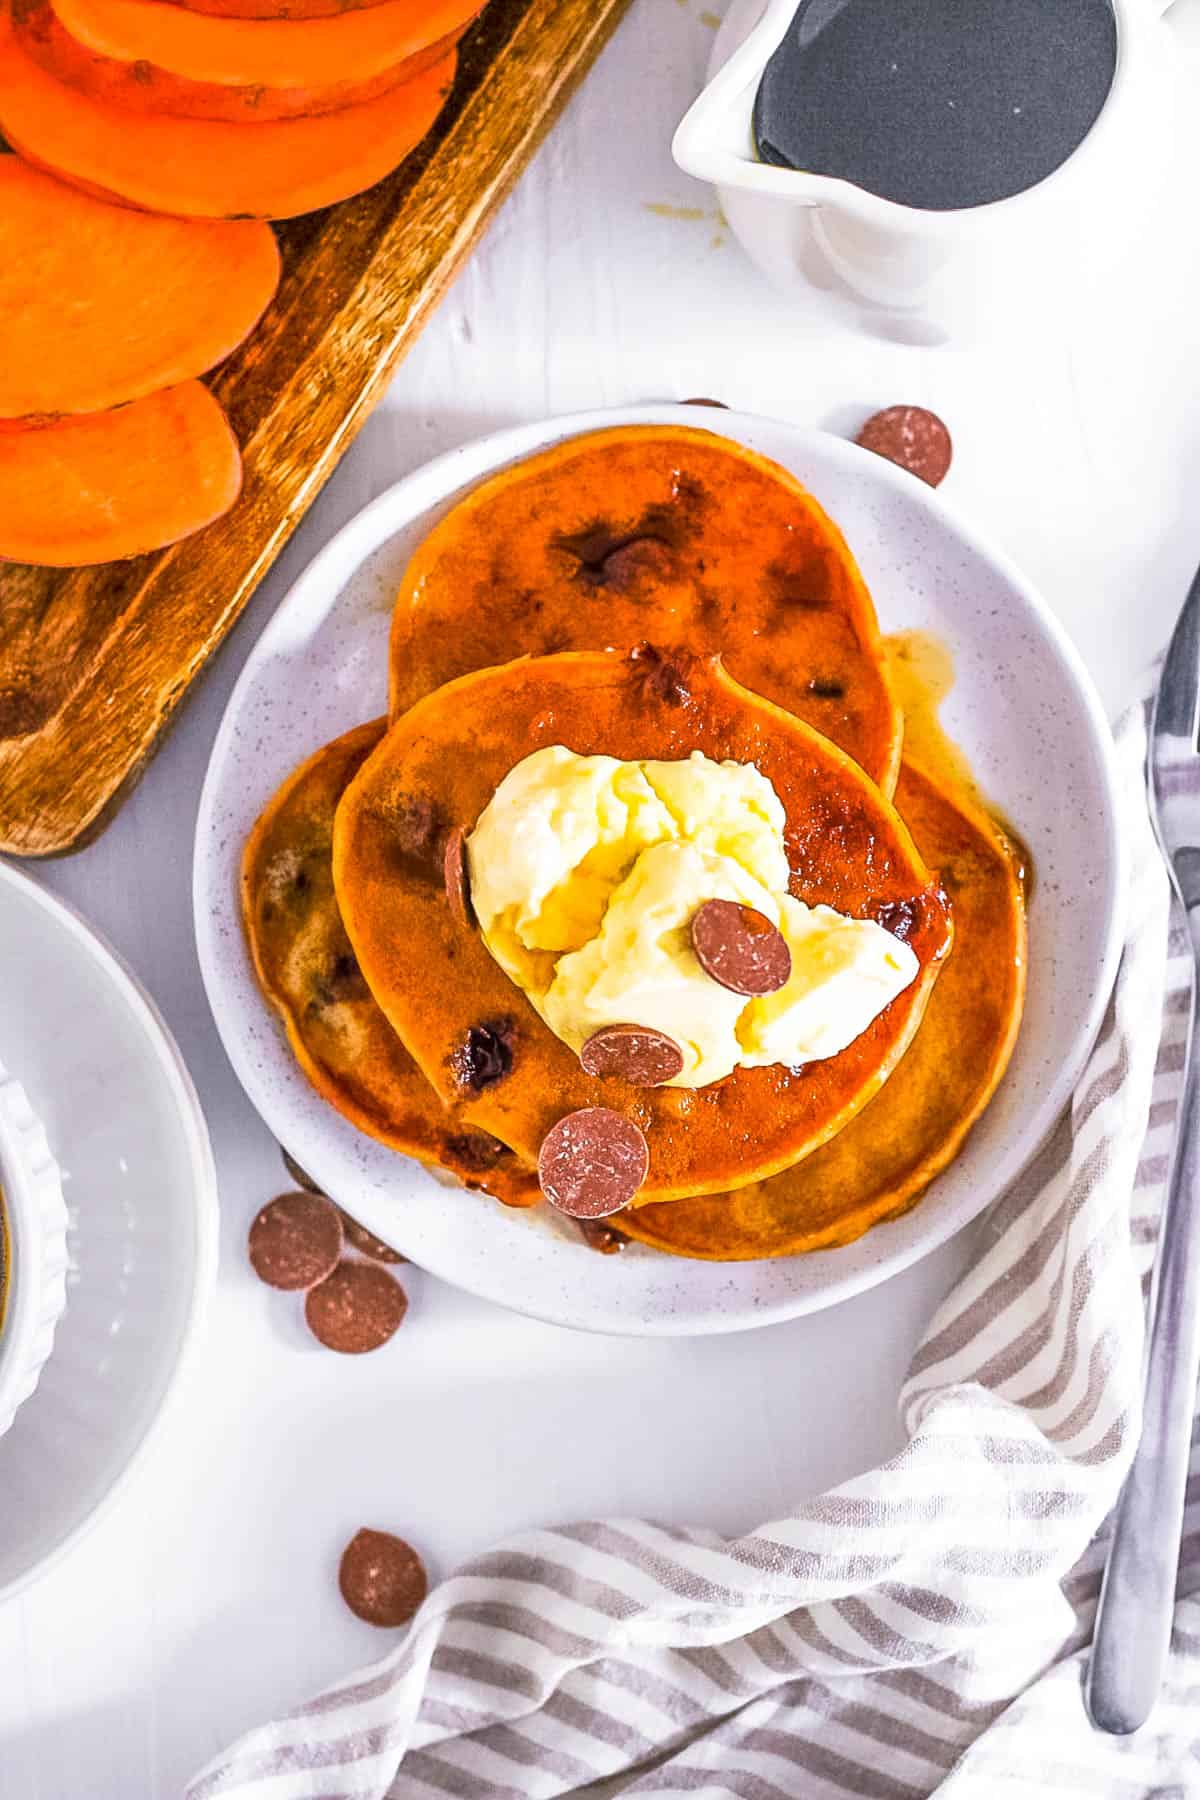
point(652, 531)
point(144, 88)
point(102, 304)
point(262, 52)
point(113, 484)
point(422, 15)
point(307, 971)
point(439, 986)
point(884, 1160)
point(205, 168)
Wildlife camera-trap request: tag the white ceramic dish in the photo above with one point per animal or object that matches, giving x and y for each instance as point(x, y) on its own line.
point(893, 255)
point(33, 1253)
point(1023, 709)
point(137, 1171)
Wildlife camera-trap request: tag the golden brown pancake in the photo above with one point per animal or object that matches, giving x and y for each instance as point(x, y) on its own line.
point(436, 770)
point(883, 1161)
point(658, 532)
point(308, 972)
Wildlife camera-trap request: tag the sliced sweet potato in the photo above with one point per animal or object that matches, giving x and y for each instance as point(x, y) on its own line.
point(144, 88)
point(422, 13)
point(113, 484)
point(208, 169)
point(102, 304)
point(272, 52)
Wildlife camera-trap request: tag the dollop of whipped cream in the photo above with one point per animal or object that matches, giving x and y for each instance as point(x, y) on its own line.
point(586, 872)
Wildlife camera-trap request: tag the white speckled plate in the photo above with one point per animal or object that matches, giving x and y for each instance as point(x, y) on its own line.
point(125, 1127)
point(1022, 708)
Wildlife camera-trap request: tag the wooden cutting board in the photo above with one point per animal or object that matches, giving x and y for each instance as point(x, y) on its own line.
point(93, 662)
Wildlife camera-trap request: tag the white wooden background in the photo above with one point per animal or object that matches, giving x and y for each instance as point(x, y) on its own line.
point(208, 1602)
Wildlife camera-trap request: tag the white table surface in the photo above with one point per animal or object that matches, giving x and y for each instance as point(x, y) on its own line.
point(207, 1602)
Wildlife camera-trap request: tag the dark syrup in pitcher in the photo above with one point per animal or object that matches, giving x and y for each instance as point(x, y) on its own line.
point(936, 103)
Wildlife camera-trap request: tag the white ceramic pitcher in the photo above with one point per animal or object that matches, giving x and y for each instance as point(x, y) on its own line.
point(894, 257)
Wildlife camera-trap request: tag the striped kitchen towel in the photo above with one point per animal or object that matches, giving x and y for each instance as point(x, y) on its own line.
point(917, 1629)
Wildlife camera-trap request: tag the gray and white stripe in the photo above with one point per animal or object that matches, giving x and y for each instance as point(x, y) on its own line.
point(887, 1639)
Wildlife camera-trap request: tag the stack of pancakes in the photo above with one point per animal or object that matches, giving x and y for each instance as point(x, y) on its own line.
point(661, 590)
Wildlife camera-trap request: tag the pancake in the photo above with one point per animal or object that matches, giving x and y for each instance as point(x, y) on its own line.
point(881, 1164)
point(435, 771)
point(307, 970)
point(658, 532)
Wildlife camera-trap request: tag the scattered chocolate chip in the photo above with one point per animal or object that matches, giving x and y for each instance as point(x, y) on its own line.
point(367, 1243)
point(827, 690)
point(355, 1309)
point(699, 402)
point(598, 1235)
point(486, 1057)
point(911, 437)
point(476, 1150)
point(454, 873)
point(592, 1163)
point(900, 917)
point(295, 1240)
point(382, 1578)
point(635, 1052)
point(662, 677)
point(300, 1176)
point(740, 948)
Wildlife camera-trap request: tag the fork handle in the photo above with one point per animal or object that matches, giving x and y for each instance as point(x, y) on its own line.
point(1137, 1599)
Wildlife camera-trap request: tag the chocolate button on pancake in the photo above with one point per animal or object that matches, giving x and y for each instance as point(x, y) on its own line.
point(454, 873)
point(740, 949)
point(639, 1055)
point(592, 1163)
point(882, 1162)
point(308, 972)
point(652, 531)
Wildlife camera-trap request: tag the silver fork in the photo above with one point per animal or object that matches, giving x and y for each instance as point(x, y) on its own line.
point(1133, 1622)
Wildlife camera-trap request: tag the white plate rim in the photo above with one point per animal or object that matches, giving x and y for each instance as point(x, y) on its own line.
point(362, 535)
point(206, 1209)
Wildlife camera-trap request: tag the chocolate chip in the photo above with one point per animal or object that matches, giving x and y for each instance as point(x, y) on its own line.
point(662, 677)
point(356, 1309)
point(295, 1240)
point(739, 948)
point(611, 559)
point(366, 1243)
point(598, 1235)
point(900, 917)
point(475, 1150)
point(913, 438)
point(300, 1176)
point(456, 878)
point(340, 982)
point(827, 690)
point(592, 1163)
point(382, 1578)
point(636, 1053)
point(486, 1057)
